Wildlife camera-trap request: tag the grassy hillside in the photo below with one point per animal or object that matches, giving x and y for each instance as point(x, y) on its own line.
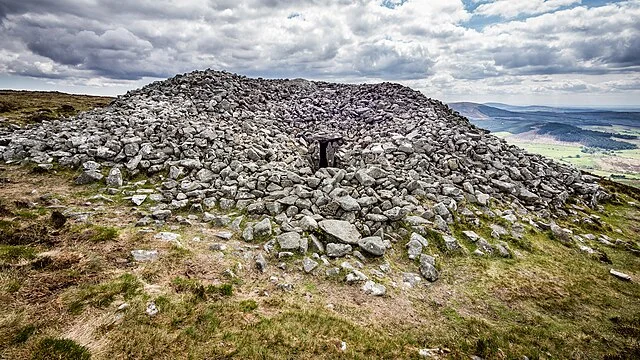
point(75, 291)
point(70, 287)
point(27, 107)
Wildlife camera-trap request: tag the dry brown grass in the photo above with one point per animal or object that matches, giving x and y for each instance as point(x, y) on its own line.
point(550, 300)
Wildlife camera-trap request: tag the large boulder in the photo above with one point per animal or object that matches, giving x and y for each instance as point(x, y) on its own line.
point(340, 231)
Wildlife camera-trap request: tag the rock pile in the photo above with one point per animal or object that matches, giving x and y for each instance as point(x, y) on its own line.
point(305, 153)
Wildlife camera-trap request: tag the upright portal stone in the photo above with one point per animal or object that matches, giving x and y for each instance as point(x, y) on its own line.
point(323, 148)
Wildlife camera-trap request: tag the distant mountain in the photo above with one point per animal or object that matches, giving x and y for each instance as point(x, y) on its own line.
point(481, 112)
point(560, 123)
point(536, 108)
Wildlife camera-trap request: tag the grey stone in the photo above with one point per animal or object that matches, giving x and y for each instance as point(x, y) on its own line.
point(308, 265)
point(144, 255)
point(372, 245)
point(167, 236)
point(451, 243)
point(620, 275)
point(217, 247)
point(373, 288)
point(340, 230)
point(364, 179)
point(261, 262)
point(247, 234)
point(337, 250)
point(226, 235)
point(138, 199)
point(307, 223)
point(471, 235)
point(114, 179)
point(347, 203)
point(427, 269)
point(161, 214)
point(288, 241)
point(411, 279)
point(420, 239)
point(262, 228)
point(88, 177)
point(414, 249)
point(355, 276)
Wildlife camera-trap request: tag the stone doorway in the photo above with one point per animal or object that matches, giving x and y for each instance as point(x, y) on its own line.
point(323, 150)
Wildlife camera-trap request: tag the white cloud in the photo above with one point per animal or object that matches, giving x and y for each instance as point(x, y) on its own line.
point(510, 9)
point(424, 44)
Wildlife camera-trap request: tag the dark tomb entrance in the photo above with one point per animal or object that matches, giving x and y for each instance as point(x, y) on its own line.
point(323, 155)
point(324, 147)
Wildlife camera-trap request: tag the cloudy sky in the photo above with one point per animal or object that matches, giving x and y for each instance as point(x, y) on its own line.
point(554, 52)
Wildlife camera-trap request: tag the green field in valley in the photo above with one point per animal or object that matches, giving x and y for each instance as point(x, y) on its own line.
point(602, 163)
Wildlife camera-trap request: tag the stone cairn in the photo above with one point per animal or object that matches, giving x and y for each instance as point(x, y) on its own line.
point(334, 165)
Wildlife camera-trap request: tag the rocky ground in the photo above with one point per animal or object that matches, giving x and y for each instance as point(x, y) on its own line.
point(125, 235)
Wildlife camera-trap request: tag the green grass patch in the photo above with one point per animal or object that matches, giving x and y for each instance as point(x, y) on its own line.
point(103, 294)
point(15, 253)
point(62, 349)
point(248, 305)
point(24, 334)
point(103, 233)
point(181, 284)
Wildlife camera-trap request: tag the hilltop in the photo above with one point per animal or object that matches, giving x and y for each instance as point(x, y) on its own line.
point(215, 215)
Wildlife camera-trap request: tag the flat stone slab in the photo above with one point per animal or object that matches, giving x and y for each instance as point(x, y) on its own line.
point(226, 235)
point(620, 275)
point(167, 236)
point(340, 230)
point(138, 199)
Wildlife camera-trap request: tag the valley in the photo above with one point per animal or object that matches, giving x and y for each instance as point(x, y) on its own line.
point(602, 142)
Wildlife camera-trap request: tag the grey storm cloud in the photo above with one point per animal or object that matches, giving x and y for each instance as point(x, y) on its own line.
point(426, 41)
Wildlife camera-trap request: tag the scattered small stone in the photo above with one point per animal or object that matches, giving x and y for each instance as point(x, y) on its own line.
point(288, 241)
point(151, 310)
point(261, 262)
point(308, 265)
point(620, 275)
point(114, 179)
point(427, 268)
point(262, 228)
point(88, 177)
point(355, 276)
point(471, 235)
point(373, 245)
point(217, 247)
point(411, 279)
point(144, 255)
point(225, 235)
point(340, 230)
point(337, 250)
point(373, 288)
point(138, 199)
point(167, 236)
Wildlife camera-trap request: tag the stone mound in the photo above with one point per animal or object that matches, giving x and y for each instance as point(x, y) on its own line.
point(348, 164)
point(368, 154)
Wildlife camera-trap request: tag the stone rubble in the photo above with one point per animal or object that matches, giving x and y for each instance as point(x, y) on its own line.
point(220, 142)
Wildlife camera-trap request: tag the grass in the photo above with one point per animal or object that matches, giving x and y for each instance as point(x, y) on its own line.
point(62, 349)
point(95, 233)
point(103, 294)
point(15, 253)
point(25, 107)
point(548, 301)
